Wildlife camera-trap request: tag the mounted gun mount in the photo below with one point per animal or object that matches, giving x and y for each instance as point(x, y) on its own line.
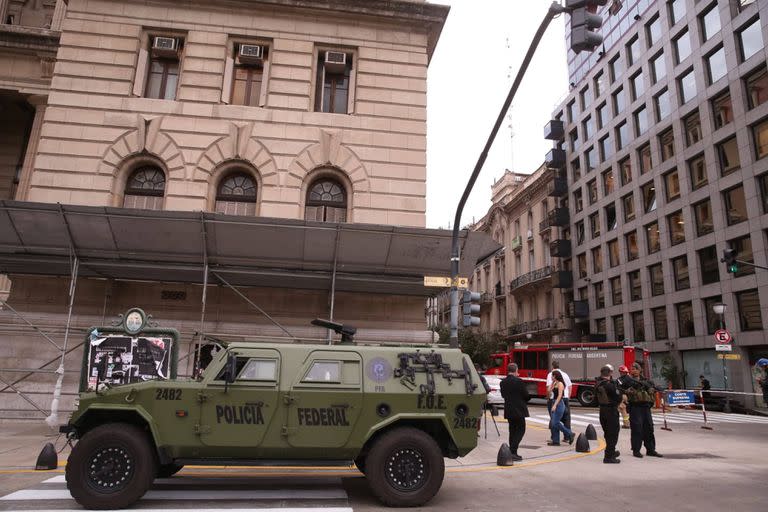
point(347, 332)
point(430, 364)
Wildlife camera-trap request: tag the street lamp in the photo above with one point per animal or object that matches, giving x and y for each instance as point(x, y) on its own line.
point(719, 310)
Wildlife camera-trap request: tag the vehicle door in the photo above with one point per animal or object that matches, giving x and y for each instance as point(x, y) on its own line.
point(325, 400)
point(240, 414)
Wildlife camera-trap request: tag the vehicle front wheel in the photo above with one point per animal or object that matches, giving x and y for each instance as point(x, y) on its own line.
point(405, 468)
point(360, 464)
point(168, 470)
point(111, 467)
point(586, 396)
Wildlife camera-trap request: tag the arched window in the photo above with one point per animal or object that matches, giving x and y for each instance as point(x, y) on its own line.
point(145, 188)
point(326, 201)
point(236, 195)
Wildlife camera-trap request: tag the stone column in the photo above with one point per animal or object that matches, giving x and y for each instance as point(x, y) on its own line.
point(58, 14)
point(40, 103)
point(3, 10)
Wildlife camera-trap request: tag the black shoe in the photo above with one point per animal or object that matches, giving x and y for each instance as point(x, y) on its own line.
point(516, 457)
point(638, 455)
point(616, 454)
point(654, 454)
point(571, 439)
point(551, 443)
point(614, 460)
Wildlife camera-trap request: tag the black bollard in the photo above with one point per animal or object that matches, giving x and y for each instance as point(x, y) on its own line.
point(590, 433)
point(504, 458)
point(48, 459)
point(582, 444)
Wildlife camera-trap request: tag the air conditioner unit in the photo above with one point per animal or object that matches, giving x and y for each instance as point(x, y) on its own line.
point(165, 46)
point(335, 62)
point(250, 54)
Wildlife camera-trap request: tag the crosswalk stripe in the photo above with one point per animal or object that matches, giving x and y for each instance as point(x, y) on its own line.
point(186, 495)
point(740, 417)
point(573, 422)
point(536, 420)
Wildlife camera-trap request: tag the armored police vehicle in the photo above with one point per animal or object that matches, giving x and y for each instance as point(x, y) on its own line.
point(395, 412)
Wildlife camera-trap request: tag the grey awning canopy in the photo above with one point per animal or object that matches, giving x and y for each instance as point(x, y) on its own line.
point(118, 243)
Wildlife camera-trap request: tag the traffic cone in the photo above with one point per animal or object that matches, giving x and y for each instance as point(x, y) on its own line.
point(504, 458)
point(590, 433)
point(582, 444)
point(47, 458)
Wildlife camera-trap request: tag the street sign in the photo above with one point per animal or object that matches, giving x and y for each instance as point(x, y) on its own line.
point(723, 348)
point(445, 282)
point(680, 398)
point(723, 336)
point(729, 357)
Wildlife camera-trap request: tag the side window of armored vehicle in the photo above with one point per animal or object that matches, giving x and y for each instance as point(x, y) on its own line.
point(543, 361)
point(240, 364)
point(259, 369)
point(324, 371)
point(529, 360)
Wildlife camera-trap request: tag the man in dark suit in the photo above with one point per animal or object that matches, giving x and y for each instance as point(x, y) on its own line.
point(515, 396)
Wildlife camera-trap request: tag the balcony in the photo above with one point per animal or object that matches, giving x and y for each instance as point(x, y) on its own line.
point(500, 291)
point(558, 187)
point(517, 243)
point(486, 299)
point(524, 281)
point(555, 159)
point(562, 279)
point(538, 326)
point(554, 130)
point(560, 248)
point(559, 217)
point(578, 309)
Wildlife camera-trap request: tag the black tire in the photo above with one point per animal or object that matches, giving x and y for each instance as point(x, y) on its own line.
point(586, 396)
point(405, 468)
point(128, 467)
point(168, 470)
point(360, 463)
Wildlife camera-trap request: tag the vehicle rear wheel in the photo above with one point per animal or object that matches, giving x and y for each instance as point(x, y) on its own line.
point(168, 470)
point(111, 467)
point(586, 396)
point(405, 468)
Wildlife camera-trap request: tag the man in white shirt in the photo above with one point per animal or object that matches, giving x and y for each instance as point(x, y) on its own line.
point(566, 393)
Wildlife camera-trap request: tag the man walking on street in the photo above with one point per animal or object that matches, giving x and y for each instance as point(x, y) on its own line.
point(641, 394)
point(609, 397)
point(566, 394)
point(515, 396)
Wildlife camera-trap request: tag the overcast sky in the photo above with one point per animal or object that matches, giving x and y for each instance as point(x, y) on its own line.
point(479, 52)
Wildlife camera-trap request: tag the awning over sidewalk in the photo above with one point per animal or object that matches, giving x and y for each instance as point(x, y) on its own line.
point(118, 243)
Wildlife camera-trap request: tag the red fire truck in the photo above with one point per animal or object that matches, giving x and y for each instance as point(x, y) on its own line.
point(581, 361)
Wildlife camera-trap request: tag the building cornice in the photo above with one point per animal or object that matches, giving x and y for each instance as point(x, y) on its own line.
point(29, 39)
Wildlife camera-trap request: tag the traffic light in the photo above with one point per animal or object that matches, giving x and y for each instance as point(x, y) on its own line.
point(584, 22)
point(729, 258)
point(470, 306)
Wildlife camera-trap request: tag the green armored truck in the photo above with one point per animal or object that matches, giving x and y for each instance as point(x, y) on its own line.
point(395, 412)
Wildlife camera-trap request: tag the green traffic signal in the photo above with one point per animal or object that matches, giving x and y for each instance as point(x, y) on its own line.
point(733, 268)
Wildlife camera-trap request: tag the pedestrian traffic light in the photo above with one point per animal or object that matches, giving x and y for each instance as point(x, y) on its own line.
point(729, 258)
point(470, 306)
point(584, 22)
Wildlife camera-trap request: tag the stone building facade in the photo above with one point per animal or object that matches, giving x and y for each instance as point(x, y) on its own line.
point(288, 109)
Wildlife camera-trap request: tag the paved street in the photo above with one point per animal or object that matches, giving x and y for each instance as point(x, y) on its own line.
point(703, 470)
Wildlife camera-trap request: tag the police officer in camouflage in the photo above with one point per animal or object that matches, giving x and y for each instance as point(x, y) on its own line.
point(609, 397)
point(641, 394)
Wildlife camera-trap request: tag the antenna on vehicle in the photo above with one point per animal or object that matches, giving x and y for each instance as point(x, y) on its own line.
point(347, 332)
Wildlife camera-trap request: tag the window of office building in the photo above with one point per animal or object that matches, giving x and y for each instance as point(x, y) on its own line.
point(743, 246)
point(326, 201)
point(660, 323)
point(763, 183)
point(685, 326)
point(653, 30)
point(722, 109)
point(637, 85)
point(592, 191)
point(635, 287)
point(572, 111)
point(682, 45)
point(728, 154)
point(756, 84)
point(579, 232)
point(588, 127)
point(692, 124)
point(676, 10)
point(606, 147)
point(760, 137)
point(748, 304)
point(145, 188)
point(576, 169)
point(663, 107)
point(163, 63)
point(649, 197)
point(610, 217)
point(687, 85)
point(676, 226)
point(633, 51)
point(672, 185)
point(751, 39)
point(641, 121)
point(628, 204)
point(652, 237)
point(704, 221)
point(633, 250)
point(656, 274)
point(667, 144)
point(599, 82)
point(622, 135)
point(658, 68)
point(608, 182)
point(586, 98)
point(603, 115)
point(599, 296)
point(716, 67)
point(710, 23)
point(600, 325)
point(613, 253)
point(616, 68)
point(625, 171)
point(709, 265)
point(581, 262)
point(618, 327)
point(597, 260)
point(574, 136)
point(698, 172)
point(589, 159)
point(334, 82)
point(644, 156)
point(594, 225)
point(578, 201)
point(616, 297)
point(619, 102)
point(713, 319)
point(638, 326)
point(680, 269)
point(247, 79)
point(735, 205)
point(236, 195)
